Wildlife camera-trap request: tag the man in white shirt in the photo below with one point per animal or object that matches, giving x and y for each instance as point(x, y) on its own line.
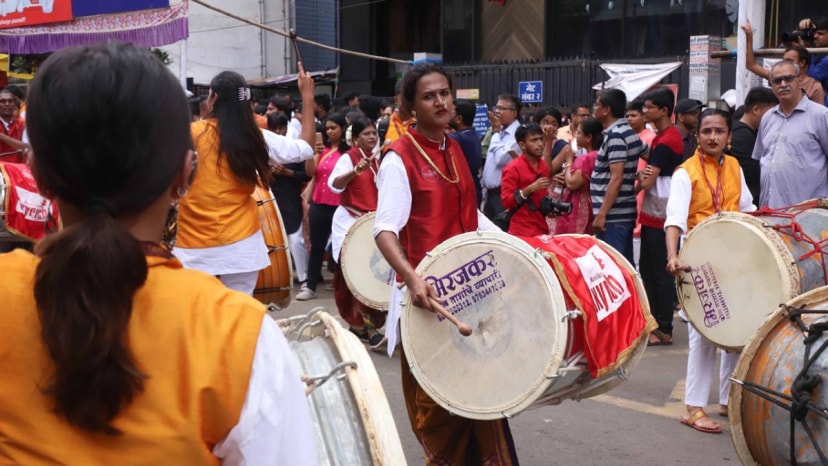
point(502, 149)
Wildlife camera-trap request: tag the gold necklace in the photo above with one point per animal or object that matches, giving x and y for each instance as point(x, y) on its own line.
point(431, 162)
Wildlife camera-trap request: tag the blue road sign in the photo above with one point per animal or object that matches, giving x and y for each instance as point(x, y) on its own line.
point(530, 92)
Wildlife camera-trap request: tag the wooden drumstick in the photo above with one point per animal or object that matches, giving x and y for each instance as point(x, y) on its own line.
point(464, 328)
point(292, 34)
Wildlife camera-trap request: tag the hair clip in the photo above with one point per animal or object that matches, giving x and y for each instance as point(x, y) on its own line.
point(244, 94)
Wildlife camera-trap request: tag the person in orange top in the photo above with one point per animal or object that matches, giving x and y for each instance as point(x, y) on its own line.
point(135, 360)
point(218, 224)
point(707, 183)
point(400, 120)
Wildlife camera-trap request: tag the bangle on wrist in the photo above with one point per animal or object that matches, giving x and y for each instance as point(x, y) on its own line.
point(522, 196)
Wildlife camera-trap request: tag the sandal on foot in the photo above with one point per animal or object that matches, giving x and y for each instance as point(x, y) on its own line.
point(723, 412)
point(657, 338)
point(694, 418)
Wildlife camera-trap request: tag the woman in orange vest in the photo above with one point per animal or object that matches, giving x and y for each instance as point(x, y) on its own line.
point(354, 178)
point(707, 183)
point(218, 224)
point(112, 352)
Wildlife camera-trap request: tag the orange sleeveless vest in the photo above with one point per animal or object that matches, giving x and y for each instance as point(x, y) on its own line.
point(194, 338)
point(701, 202)
point(219, 209)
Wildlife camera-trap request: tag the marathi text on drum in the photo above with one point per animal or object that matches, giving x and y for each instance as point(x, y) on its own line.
point(461, 300)
point(710, 295)
point(461, 275)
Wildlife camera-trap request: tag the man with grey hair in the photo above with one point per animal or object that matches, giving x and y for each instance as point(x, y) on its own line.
point(792, 143)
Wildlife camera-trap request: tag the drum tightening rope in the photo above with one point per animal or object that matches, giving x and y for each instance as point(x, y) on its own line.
point(801, 401)
point(794, 230)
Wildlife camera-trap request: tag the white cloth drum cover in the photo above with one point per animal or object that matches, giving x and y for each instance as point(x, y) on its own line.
point(366, 272)
point(744, 265)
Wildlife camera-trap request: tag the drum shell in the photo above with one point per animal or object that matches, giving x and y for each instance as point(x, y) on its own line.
point(743, 266)
point(772, 359)
point(367, 274)
point(351, 416)
point(456, 372)
point(274, 283)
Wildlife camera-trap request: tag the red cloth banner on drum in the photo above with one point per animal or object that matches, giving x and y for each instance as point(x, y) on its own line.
point(27, 212)
point(603, 289)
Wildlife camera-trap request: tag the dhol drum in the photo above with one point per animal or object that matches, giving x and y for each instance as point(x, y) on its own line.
point(779, 364)
point(528, 340)
point(742, 265)
point(351, 416)
point(274, 283)
point(366, 272)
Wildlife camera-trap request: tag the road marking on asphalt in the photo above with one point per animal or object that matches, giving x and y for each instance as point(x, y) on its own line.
point(672, 408)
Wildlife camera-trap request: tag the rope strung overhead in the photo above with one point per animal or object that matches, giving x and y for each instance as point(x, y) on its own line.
point(299, 39)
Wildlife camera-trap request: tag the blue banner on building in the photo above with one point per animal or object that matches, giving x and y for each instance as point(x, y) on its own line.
point(105, 7)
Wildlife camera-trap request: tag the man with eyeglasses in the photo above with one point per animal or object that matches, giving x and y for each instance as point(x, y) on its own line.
point(792, 143)
point(502, 149)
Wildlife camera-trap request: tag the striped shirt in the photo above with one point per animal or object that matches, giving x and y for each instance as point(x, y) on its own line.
point(621, 145)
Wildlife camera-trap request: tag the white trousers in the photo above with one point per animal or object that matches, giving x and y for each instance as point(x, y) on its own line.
point(701, 359)
point(244, 282)
point(299, 253)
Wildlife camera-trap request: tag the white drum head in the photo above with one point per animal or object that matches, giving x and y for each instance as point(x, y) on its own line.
point(741, 272)
point(509, 295)
point(366, 272)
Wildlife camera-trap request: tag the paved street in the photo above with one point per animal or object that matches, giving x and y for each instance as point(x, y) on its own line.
point(637, 423)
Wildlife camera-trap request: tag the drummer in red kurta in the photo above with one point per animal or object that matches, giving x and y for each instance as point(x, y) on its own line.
point(11, 129)
point(426, 195)
point(524, 183)
point(354, 178)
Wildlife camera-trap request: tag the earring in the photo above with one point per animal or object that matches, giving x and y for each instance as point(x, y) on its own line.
point(182, 191)
point(414, 113)
point(170, 227)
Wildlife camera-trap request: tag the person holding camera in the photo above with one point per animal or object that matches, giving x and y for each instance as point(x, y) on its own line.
point(817, 32)
point(795, 54)
point(525, 182)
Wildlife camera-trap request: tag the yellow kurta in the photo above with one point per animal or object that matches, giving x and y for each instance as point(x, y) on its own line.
point(194, 339)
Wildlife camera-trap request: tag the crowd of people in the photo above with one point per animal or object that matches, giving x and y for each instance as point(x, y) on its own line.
point(639, 174)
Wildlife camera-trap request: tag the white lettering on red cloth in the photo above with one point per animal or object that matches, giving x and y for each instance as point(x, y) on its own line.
point(27, 212)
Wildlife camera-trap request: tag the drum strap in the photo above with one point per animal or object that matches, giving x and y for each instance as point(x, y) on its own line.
point(800, 402)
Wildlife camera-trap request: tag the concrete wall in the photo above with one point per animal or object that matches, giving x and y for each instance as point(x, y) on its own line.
point(219, 43)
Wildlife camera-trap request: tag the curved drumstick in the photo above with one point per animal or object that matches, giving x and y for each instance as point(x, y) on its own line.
point(464, 328)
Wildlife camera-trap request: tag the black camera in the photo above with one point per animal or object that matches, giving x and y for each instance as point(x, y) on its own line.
point(555, 206)
point(807, 35)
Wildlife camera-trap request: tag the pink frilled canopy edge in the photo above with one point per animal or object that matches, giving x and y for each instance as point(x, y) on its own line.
point(146, 28)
